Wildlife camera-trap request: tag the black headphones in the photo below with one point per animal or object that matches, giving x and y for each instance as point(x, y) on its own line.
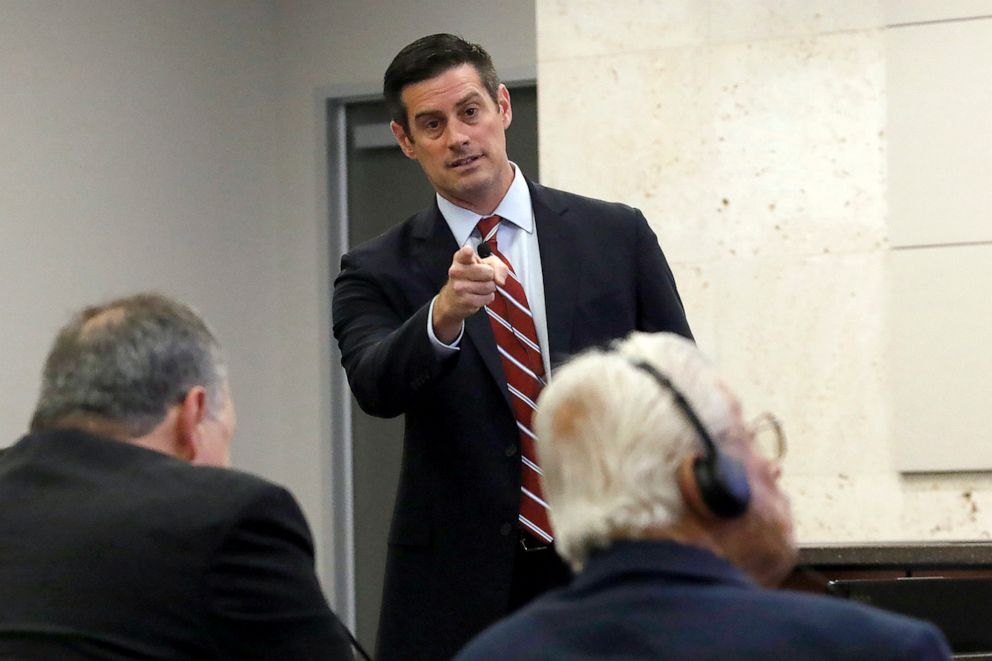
point(722, 480)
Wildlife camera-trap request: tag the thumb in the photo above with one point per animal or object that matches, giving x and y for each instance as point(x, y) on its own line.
point(500, 270)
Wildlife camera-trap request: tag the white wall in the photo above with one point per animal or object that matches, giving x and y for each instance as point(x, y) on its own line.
point(139, 153)
point(792, 157)
point(939, 88)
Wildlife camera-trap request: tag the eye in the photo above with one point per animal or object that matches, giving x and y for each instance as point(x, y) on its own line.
point(472, 112)
point(432, 127)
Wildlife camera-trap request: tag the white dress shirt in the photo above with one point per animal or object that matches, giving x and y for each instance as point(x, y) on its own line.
point(517, 240)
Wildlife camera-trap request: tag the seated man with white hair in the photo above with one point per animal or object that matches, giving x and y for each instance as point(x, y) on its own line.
point(668, 508)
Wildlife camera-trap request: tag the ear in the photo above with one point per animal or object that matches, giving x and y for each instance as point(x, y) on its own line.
point(689, 488)
point(192, 411)
point(406, 144)
point(505, 109)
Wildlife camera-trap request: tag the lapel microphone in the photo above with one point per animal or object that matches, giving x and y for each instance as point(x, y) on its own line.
point(483, 250)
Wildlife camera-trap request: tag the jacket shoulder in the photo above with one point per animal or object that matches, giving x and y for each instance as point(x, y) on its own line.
point(230, 489)
point(853, 626)
point(565, 202)
point(398, 239)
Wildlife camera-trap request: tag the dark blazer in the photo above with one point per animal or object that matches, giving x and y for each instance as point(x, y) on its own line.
point(663, 600)
point(112, 551)
point(454, 528)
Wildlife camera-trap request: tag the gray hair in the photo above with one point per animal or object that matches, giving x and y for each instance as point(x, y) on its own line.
point(610, 439)
point(126, 362)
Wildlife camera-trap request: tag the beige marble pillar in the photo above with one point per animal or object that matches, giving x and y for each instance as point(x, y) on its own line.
point(754, 137)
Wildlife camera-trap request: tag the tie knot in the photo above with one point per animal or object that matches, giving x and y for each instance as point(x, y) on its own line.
point(487, 229)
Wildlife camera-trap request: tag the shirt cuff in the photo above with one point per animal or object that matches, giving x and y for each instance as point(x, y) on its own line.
point(442, 350)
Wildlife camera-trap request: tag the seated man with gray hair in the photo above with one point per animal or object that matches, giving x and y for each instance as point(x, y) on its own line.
point(668, 507)
point(122, 535)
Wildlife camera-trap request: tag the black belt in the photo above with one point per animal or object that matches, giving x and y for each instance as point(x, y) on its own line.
point(529, 544)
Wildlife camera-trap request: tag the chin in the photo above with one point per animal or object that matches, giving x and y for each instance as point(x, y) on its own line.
point(768, 557)
point(775, 568)
point(787, 555)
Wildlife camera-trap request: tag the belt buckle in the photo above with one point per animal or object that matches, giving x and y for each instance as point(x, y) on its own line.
point(529, 544)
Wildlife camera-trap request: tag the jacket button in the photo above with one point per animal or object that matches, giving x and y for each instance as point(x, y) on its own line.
point(511, 450)
point(505, 529)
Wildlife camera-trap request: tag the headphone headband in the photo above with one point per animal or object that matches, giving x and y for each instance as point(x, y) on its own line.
point(682, 402)
point(722, 480)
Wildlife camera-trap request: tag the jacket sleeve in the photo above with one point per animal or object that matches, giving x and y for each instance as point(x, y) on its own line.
point(262, 592)
point(385, 348)
point(659, 307)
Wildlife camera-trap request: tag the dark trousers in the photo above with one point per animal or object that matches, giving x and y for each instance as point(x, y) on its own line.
point(536, 572)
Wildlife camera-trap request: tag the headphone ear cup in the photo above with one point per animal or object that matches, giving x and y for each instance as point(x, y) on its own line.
point(723, 485)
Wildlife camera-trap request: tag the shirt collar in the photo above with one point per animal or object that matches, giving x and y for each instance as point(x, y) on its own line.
point(514, 207)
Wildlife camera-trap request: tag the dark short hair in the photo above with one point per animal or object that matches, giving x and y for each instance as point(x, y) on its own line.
point(428, 57)
point(126, 362)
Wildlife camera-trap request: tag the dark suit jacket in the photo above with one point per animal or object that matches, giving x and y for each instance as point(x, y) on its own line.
point(454, 528)
point(112, 551)
point(663, 600)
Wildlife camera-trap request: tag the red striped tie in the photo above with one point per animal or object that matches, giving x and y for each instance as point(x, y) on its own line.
point(520, 353)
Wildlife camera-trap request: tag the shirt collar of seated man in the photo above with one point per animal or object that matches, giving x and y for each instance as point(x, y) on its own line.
point(618, 456)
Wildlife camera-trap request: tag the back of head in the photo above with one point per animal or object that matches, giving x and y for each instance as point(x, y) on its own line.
point(119, 366)
point(611, 440)
point(428, 57)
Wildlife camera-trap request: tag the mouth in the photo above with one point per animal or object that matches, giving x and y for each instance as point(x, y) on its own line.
point(464, 162)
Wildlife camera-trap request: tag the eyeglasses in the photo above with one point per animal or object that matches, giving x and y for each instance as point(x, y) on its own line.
point(767, 437)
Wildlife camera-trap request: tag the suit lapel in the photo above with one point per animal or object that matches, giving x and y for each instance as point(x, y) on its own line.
point(433, 247)
point(560, 269)
point(481, 334)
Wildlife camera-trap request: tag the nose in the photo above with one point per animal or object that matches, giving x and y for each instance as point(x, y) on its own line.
point(457, 136)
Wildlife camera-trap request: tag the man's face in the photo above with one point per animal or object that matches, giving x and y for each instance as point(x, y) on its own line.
point(762, 542)
point(215, 434)
point(457, 133)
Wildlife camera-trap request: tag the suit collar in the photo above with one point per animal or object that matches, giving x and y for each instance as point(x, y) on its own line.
point(556, 231)
point(662, 559)
point(556, 204)
point(433, 245)
point(84, 447)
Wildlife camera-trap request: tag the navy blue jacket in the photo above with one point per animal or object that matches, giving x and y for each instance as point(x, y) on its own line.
point(664, 600)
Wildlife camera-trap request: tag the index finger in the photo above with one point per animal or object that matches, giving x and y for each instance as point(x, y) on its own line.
point(465, 255)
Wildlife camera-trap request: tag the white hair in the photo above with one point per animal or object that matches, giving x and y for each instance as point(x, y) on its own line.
point(611, 438)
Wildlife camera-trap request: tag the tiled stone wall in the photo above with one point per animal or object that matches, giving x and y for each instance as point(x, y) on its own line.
point(755, 136)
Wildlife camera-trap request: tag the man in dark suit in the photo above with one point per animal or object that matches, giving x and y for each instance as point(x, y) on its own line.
point(455, 318)
point(122, 535)
point(668, 507)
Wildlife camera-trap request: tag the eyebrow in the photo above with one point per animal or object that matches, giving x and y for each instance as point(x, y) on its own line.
point(464, 101)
